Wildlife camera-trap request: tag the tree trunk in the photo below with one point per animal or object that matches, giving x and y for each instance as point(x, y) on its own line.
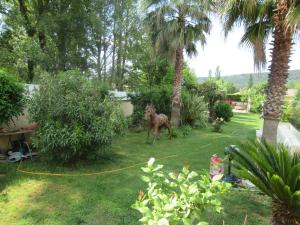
point(104, 59)
point(30, 67)
point(30, 30)
point(211, 112)
point(176, 99)
point(284, 215)
point(99, 48)
point(278, 72)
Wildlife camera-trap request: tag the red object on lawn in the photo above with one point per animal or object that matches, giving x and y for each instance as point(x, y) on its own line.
point(216, 166)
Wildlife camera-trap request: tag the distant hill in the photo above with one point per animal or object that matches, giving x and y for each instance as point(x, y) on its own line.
point(241, 80)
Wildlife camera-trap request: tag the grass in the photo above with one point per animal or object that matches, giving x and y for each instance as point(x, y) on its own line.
point(107, 198)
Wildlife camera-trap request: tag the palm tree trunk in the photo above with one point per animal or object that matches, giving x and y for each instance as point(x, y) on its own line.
point(176, 100)
point(278, 72)
point(283, 215)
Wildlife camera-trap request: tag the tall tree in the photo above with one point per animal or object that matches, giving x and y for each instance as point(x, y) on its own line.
point(261, 19)
point(218, 73)
point(210, 74)
point(176, 26)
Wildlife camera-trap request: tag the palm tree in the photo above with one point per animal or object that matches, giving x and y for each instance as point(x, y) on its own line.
point(275, 171)
point(262, 18)
point(175, 26)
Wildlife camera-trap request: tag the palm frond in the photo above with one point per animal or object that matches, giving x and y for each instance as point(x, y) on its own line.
point(178, 24)
point(274, 170)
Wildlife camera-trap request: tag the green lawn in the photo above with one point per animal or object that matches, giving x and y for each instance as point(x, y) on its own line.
point(106, 198)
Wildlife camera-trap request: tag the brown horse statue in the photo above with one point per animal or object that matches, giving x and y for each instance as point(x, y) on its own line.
point(156, 122)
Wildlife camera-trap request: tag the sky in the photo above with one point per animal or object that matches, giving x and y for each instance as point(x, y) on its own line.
point(227, 53)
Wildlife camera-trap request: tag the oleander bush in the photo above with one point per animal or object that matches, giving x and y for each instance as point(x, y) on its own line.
point(76, 120)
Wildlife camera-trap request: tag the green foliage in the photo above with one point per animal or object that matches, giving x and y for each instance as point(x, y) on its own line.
point(274, 170)
point(175, 132)
point(224, 110)
point(149, 72)
point(218, 73)
point(186, 130)
point(76, 122)
point(12, 99)
point(194, 107)
point(295, 111)
point(286, 111)
point(212, 94)
point(256, 95)
point(217, 124)
point(177, 198)
point(159, 96)
point(211, 91)
point(194, 110)
point(163, 23)
point(89, 35)
point(226, 86)
point(237, 97)
point(181, 132)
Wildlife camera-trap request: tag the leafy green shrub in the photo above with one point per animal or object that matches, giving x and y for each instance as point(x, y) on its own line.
point(224, 110)
point(194, 110)
point(160, 97)
point(175, 132)
point(177, 198)
point(212, 94)
point(257, 95)
point(12, 99)
point(76, 122)
point(226, 86)
point(186, 130)
point(237, 97)
point(286, 111)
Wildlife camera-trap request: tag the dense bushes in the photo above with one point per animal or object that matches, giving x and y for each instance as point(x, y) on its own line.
point(12, 99)
point(159, 96)
point(257, 96)
point(223, 110)
point(237, 97)
point(212, 94)
point(194, 111)
point(75, 120)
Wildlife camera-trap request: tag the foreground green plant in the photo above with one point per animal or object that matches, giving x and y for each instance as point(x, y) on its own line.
point(177, 198)
point(76, 122)
point(276, 172)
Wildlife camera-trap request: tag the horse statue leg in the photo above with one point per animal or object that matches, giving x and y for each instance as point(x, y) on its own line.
point(155, 129)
